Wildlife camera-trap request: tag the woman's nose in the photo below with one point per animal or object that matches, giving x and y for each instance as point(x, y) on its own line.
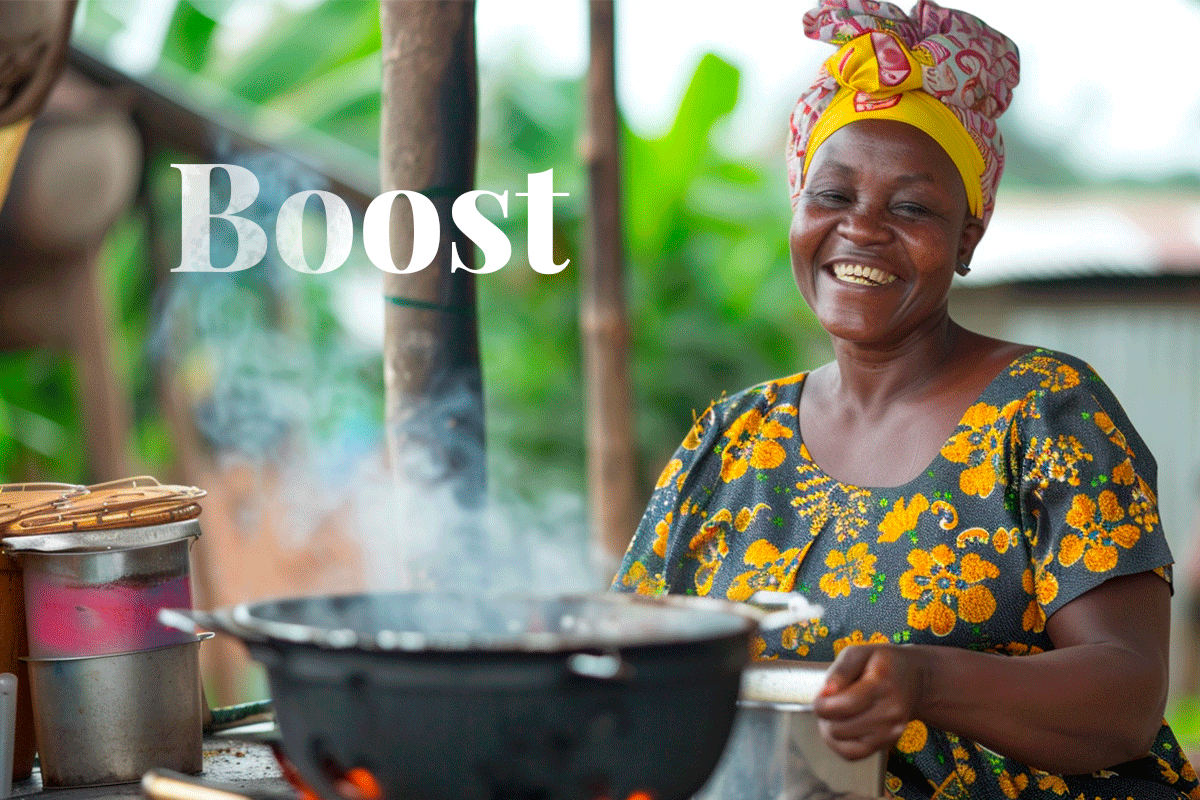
point(863, 225)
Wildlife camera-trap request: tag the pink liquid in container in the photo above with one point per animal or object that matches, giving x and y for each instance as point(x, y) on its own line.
point(99, 593)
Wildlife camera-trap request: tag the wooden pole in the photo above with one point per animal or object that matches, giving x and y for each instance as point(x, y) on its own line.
point(428, 141)
point(611, 464)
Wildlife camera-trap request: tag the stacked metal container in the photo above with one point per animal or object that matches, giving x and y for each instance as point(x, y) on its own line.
point(114, 692)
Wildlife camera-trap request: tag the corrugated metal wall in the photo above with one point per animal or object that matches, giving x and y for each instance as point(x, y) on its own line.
point(1144, 341)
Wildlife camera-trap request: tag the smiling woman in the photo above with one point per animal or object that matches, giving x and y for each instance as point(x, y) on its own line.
point(977, 517)
point(884, 208)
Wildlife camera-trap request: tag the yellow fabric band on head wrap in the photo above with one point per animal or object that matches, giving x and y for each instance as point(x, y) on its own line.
point(11, 138)
point(880, 78)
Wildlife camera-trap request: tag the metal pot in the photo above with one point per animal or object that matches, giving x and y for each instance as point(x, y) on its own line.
point(108, 719)
point(90, 593)
point(776, 751)
point(449, 697)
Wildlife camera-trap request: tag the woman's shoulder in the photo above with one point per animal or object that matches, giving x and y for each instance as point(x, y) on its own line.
point(1057, 390)
point(764, 398)
point(1043, 372)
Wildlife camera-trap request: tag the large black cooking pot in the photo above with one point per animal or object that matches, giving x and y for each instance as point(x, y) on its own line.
point(450, 697)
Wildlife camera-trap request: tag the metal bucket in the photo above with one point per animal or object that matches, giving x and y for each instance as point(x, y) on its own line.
point(107, 719)
point(98, 592)
point(776, 750)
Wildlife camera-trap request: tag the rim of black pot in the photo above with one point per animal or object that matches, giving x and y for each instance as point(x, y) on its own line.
point(683, 619)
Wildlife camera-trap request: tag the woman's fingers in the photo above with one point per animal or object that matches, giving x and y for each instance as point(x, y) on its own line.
point(868, 698)
point(859, 747)
point(845, 669)
point(880, 728)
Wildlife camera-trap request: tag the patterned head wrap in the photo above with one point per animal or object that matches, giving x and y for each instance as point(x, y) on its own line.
point(941, 70)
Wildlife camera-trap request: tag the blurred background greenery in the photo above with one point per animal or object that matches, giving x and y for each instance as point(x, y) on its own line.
point(711, 298)
point(712, 303)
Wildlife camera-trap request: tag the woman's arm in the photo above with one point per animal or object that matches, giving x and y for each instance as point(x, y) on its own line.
point(1094, 701)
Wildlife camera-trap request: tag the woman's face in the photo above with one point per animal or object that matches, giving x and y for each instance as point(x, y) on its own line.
point(880, 225)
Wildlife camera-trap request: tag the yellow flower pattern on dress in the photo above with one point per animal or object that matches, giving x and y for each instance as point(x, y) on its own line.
point(943, 593)
point(1104, 423)
point(824, 502)
point(773, 571)
point(1012, 785)
point(1005, 538)
point(980, 446)
point(1102, 528)
point(1043, 491)
point(1055, 460)
point(669, 472)
point(914, 737)
point(1053, 783)
point(1034, 618)
point(1016, 649)
point(946, 513)
point(661, 531)
point(855, 567)
point(752, 442)
point(709, 546)
point(1144, 508)
point(771, 389)
point(801, 636)
point(642, 581)
point(857, 638)
point(901, 519)
point(1056, 375)
point(700, 427)
point(758, 650)
point(971, 536)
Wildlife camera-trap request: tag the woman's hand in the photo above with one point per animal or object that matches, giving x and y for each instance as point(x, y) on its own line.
point(1096, 699)
point(870, 694)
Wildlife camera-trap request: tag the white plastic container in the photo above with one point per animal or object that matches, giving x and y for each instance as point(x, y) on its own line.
point(8, 730)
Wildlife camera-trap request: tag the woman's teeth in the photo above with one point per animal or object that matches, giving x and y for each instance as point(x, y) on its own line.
point(867, 276)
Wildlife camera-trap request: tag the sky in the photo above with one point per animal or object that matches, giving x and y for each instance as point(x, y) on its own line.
point(1096, 82)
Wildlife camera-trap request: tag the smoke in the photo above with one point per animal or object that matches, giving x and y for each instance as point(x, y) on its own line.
point(279, 386)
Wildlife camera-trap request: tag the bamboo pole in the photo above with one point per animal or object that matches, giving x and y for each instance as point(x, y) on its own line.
point(611, 464)
point(428, 140)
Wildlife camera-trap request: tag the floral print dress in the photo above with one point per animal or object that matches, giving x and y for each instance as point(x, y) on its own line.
point(1043, 492)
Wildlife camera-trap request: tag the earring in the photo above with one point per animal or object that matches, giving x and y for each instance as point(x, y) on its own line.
point(962, 268)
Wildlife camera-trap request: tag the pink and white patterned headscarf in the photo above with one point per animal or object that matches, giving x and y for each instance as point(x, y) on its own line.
point(968, 66)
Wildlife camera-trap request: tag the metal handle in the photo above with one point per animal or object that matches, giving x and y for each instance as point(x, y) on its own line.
point(781, 609)
point(193, 621)
point(238, 715)
point(163, 784)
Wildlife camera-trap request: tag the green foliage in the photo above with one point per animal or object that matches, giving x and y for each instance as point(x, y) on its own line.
point(39, 420)
point(711, 300)
point(1184, 718)
point(188, 37)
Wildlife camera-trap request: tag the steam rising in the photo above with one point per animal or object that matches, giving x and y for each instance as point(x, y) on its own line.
point(277, 384)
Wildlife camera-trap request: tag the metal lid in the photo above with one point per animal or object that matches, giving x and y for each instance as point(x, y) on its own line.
point(102, 540)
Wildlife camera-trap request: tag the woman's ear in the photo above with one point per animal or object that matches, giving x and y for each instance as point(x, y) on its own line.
point(971, 234)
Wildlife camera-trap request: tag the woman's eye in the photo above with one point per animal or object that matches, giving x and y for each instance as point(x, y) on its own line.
point(912, 209)
point(831, 196)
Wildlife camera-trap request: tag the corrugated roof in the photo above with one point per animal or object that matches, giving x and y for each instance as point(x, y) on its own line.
point(1035, 237)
